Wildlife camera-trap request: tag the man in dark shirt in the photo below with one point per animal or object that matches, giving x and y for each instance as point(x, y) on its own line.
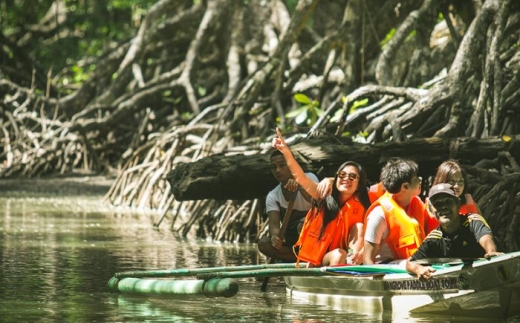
point(457, 235)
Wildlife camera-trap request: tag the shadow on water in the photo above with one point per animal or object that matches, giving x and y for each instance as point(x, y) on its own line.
point(59, 250)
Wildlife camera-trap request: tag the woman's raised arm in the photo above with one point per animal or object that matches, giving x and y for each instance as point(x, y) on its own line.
point(296, 170)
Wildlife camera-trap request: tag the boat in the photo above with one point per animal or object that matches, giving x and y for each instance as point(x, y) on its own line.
point(459, 287)
point(476, 288)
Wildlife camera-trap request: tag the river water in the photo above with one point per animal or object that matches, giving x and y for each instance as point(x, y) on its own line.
point(57, 254)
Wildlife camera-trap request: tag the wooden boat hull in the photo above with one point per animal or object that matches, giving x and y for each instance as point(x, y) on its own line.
point(488, 288)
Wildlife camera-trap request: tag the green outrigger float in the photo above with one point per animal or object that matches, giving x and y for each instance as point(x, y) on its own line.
point(469, 288)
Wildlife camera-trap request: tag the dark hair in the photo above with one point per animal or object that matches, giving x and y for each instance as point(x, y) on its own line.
point(446, 171)
point(275, 153)
point(396, 172)
point(331, 202)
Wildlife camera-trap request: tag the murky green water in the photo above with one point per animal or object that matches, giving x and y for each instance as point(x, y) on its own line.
point(57, 255)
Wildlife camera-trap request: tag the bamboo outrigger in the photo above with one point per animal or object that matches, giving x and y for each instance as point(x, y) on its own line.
point(225, 287)
point(476, 288)
point(212, 282)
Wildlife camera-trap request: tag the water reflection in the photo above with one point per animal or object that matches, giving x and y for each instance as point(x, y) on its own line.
point(57, 255)
point(247, 306)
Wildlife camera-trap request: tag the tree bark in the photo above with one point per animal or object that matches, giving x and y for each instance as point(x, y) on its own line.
point(242, 177)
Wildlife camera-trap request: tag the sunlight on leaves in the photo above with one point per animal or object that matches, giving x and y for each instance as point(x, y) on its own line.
point(79, 74)
point(387, 39)
point(358, 104)
point(302, 98)
point(355, 105)
point(308, 113)
point(410, 36)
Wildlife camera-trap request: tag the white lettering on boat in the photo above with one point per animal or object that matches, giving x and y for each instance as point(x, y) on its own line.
point(432, 284)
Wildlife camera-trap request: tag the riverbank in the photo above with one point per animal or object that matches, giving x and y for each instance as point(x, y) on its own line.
point(71, 192)
point(70, 185)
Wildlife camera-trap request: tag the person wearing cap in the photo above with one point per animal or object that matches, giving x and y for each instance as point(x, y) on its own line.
point(456, 236)
point(450, 171)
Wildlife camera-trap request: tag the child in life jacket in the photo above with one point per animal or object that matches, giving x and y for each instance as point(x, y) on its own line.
point(394, 225)
point(377, 190)
point(334, 223)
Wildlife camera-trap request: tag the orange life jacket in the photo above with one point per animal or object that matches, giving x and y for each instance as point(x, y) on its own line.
point(431, 222)
point(469, 207)
point(313, 247)
point(406, 231)
point(376, 191)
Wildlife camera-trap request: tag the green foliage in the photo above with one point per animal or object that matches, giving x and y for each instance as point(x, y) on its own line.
point(360, 137)
point(91, 27)
point(391, 35)
point(167, 96)
point(358, 104)
point(355, 106)
point(128, 4)
point(387, 39)
point(308, 113)
point(302, 98)
point(291, 4)
point(201, 91)
point(337, 115)
point(411, 35)
point(187, 116)
point(79, 74)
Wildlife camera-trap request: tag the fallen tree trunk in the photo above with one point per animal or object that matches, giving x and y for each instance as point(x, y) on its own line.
point(243, 177)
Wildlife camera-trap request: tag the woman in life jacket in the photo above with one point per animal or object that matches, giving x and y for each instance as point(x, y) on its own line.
point(452, 173)
point(334, 224)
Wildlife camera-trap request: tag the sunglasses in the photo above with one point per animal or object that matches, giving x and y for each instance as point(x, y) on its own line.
point(350, 176)
point(458, 183)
